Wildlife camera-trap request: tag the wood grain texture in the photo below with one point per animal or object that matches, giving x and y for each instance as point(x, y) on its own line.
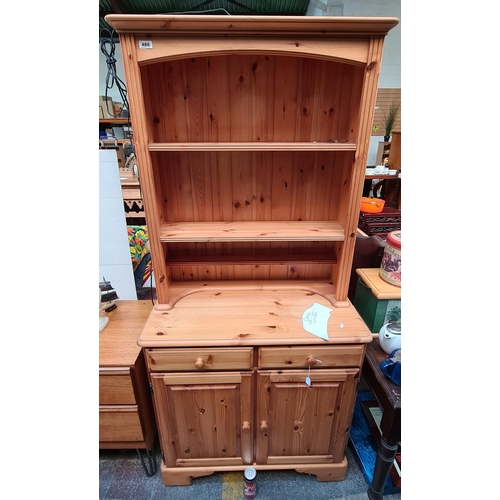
point(255, 134)
point(118, 341)
point(211, 314)
point(240, 358)
point(253, 231)
point(201, 417)
point(312, 26)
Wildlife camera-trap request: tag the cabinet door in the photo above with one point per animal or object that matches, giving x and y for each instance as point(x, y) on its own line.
point(204, 419)
point(298, 423)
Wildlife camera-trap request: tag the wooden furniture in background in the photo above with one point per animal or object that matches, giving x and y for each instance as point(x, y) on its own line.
point(393, 191)
point(126, 415)
point(252, 134)
point(392, 184)
point(116, 144)
point(395, 151)
point(381, 223)
point(382, 152)
point(388, 396)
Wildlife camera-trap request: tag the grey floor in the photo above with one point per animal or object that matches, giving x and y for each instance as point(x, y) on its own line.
point(122, 477)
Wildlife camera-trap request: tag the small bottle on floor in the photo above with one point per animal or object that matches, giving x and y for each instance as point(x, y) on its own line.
point(250, 476)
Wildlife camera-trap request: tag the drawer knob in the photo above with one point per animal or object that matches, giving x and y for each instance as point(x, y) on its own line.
point(311, 360)
point(264, 426)
point(246, 426)
point(199, 363)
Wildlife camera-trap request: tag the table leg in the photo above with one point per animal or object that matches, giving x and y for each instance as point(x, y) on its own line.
point(385, 457)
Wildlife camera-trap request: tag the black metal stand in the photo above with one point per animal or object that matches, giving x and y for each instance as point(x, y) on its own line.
point(153, 466)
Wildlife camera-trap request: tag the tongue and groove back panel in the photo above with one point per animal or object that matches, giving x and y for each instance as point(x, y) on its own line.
point(252, 98)
point(252, 131)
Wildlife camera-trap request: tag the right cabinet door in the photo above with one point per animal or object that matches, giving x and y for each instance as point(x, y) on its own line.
point(301, 423)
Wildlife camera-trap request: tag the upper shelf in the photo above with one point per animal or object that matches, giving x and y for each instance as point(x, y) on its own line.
point(252, 146)
point(251, 231)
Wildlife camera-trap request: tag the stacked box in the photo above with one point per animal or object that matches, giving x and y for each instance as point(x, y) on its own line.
point(102, 104)
point(376, 301)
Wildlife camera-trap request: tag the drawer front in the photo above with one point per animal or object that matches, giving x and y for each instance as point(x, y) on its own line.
point(119, 424)
point(116, 389)
point(314, 356)
point(204, 359)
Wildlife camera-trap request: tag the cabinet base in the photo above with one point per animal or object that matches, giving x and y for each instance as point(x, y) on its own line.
point(182, 476)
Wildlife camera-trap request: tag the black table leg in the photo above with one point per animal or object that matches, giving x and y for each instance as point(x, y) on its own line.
point(385, 457)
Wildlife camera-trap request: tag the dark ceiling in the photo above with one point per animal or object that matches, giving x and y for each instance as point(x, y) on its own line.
point(230, 7)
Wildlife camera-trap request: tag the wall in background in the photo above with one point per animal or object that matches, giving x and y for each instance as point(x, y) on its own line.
point(115, 263)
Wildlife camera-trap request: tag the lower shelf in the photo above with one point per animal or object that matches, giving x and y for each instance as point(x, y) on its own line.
point(364, 445)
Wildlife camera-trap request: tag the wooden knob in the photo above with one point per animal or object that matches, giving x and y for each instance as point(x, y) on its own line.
point(246, 426)
point(264, 426)
point(199, 363)
point(311, 360)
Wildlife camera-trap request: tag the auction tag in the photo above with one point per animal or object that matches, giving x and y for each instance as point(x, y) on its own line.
point(145, 44)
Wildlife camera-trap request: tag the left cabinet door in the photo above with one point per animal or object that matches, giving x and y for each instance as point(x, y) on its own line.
point(204, 419)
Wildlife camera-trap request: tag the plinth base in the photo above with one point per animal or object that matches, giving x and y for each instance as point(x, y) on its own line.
point(182, 476)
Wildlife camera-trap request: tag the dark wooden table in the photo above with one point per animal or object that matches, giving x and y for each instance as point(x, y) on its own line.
point(388, 397)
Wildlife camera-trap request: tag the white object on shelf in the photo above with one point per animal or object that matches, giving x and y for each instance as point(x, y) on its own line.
point(103, 321)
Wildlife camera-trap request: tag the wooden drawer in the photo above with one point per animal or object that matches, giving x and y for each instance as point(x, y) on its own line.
point(204, 359)
point(115, 388)
point(299, 356)
point(120, 423)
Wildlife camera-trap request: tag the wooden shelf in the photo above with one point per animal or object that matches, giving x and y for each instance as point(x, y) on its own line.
point(251, 231)
point(121, 121)
point(381, 176)
point(252, 146)
point(256, 260)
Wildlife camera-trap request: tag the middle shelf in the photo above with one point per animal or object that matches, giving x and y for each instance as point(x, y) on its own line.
point(251, 231)
point(339, 145)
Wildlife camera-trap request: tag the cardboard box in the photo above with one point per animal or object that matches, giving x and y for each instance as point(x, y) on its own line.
point(102, 104)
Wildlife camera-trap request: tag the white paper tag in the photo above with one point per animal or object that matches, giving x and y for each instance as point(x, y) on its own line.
point(315, 320)
point(145, 44)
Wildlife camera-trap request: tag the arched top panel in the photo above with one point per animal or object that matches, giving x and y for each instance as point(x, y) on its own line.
point(341, 49)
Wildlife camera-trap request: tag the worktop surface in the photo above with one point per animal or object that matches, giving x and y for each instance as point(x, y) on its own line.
point(239, 317)
point(118, 341)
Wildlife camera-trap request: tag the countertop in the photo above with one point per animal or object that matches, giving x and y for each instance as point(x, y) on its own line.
point(234, 317)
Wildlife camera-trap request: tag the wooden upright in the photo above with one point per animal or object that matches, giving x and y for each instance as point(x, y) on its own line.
point(252, 134)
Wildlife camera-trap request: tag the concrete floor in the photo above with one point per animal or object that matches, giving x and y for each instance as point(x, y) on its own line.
point(121, 477)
